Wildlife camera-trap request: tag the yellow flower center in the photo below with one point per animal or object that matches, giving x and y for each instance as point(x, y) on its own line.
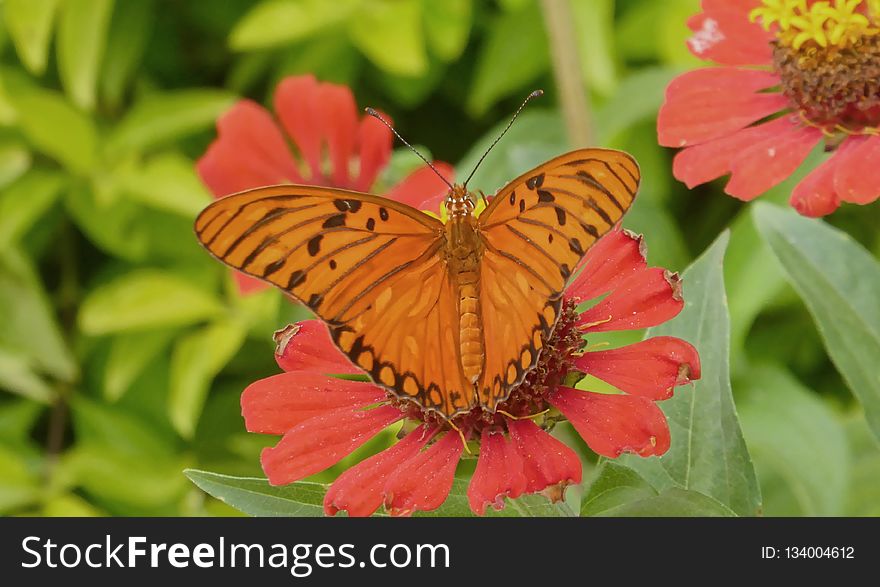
point(839, 24)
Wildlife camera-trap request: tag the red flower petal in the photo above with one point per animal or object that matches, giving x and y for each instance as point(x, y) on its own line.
point(422, 189)
point(651, 368)
point(276, 404)
point(762, 165)
point(499, 473)
point(712, 103)
point(249, 152)
point(645, 298)
point(613, 424)
point(546, 460)
point(423, 482)
point(857, 179)
point(298, 103)
point(375, 142)
point(322, 441)
point(247, 284)
point(616, 256)
point(359, 489)
point(815, 194)
point(339, 123)
point(723, 33)
point(307, 346)
point(702, 163)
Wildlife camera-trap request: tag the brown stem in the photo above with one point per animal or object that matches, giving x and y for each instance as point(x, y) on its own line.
point(567, 71)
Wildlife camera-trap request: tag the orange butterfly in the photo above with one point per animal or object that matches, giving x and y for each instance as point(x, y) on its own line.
point(451, 316)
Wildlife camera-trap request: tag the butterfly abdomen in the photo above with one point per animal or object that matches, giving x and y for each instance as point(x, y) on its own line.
point(464, 251)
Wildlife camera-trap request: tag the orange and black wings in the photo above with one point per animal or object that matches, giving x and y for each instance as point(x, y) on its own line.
point(536, 229)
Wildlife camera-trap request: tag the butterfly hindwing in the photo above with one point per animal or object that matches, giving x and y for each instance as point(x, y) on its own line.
point(367, 266)
point(536, 230)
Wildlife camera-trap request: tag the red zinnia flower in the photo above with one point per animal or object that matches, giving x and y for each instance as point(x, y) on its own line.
point(323, 419)
point(334, 148)
point(816, 80)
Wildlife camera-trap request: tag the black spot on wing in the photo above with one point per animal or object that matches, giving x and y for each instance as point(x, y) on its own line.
point(273, 267)
point(334, 221)
point(315, 245)
point(347, 205)
point(545, 196)
point(296, 278)
point(371, 224)
point(535, 181)
point(560, 215)
point(575, 245)
point(383, 214)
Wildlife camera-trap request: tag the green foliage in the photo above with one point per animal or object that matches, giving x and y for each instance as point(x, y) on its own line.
point(125, 347)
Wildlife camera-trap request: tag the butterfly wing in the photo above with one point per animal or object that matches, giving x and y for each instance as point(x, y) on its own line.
point(367, 266)
point(536, 229)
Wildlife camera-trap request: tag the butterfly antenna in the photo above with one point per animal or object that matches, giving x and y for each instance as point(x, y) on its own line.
point(534, 94)
point(378, 116)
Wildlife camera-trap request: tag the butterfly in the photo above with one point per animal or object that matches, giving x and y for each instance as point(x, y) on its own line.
point(453, 315)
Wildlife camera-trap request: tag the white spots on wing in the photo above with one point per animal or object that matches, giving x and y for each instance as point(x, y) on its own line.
point(707, 37)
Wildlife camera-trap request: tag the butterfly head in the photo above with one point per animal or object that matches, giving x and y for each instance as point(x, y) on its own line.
point(459, 202)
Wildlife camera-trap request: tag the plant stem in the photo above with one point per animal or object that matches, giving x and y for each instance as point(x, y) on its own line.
point(567, 70)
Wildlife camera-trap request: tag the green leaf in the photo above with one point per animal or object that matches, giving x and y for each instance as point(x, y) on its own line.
point(256, 497)
point(792, 431)
point(708, 453)
point(15, 159)
point(130, 31)
point(514, 54)
point(18, 374)
point(279, 22)
point(130, 354)
point(195, 361)
point(390, 33)
point(113, 224)
point(864, 488)
point(82, 37)
point(674, 502)
point(24, 202)
point(839, 282)
point(19, 486)
point(145, 299)
point(29, 323)
point(167, 182)
point(17, 418)
point(29, 23)
point(447, 26)
point(594, 26)
point(615, 486)
point(164, 118)
point(51, 124)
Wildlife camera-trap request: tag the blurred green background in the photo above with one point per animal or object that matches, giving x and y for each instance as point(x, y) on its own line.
point(124, 347)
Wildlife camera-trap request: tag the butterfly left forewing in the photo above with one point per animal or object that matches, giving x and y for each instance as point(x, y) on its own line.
point(367, 266)
point(536, 230)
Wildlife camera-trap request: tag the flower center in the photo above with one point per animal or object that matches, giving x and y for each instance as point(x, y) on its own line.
point(828, 57)
point(527, 400)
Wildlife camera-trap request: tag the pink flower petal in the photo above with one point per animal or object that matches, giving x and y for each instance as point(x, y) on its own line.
point(339, 124)
point(375, 142)
point(708, 161)
point(546, 461)
point(762, 165)
point(423, 482)
point(249, 152)
point(298, 103)
point(322, 441)
point(646, 298)
point(712, 103)
point(614, 424)
point(723, 33)
point(276, 404)
point(359, 489)
point(815, 195)
point(307, 346)
point(857, 178)
point(616, 256)
point(499, 473)
point(650, 368)
point(422, 189)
